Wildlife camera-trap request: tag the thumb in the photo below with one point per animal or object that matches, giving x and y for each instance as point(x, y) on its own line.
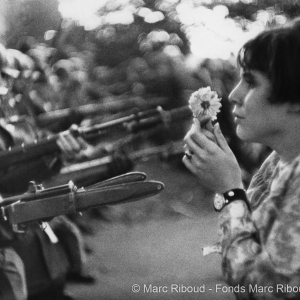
point(220, 138)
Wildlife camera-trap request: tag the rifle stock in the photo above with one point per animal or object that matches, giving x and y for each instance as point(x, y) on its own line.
point(140, 121)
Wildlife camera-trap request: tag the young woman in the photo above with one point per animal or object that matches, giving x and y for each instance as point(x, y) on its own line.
point(260, 228)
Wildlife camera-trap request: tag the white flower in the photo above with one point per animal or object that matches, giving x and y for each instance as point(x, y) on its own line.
point(205, 102)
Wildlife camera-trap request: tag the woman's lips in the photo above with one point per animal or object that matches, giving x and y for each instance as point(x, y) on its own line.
point(238, 118)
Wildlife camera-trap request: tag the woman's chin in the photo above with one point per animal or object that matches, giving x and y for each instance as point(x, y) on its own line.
point(244, 135)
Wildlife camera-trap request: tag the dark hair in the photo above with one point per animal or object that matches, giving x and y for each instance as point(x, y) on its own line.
point(276, 53)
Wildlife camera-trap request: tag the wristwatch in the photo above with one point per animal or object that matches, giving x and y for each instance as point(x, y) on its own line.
point(221, 200)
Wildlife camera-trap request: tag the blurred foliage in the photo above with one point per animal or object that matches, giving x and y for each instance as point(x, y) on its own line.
point(116, 43)
point(290, 8)
point(30, 18)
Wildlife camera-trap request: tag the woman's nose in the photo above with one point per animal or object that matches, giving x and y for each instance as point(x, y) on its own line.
point(235, 96)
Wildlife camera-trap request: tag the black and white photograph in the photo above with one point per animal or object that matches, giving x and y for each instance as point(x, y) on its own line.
point(149, 149)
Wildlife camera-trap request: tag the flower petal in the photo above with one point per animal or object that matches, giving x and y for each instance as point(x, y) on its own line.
point(205, 101)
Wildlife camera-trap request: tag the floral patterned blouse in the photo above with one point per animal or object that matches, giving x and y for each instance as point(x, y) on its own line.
point(261, 248)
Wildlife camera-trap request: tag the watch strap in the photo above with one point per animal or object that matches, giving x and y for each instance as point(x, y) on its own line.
point(236, 194)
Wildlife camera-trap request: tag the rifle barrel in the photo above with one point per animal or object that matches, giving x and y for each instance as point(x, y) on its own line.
point(123, 120)
point(140, 120)
point(110, 105)
point(40, 194)
point(26, 152)
point(101, 167)
point(164, 117)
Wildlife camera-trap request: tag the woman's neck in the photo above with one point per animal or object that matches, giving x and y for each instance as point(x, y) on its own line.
point(286, 141)
point(287, 148)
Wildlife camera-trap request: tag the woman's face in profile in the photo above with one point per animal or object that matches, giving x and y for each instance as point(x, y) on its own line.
point(256, 118)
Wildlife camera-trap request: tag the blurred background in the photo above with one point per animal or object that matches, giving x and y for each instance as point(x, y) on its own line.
point(94, 61)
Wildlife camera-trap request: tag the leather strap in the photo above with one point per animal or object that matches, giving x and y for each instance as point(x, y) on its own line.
point(236, 194)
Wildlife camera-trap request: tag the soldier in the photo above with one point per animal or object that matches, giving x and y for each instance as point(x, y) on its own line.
point(34, 264)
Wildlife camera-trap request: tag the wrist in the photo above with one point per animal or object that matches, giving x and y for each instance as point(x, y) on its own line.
point(232, 182)
point(236, 209)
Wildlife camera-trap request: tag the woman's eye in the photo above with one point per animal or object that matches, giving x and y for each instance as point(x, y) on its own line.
point(250, 83)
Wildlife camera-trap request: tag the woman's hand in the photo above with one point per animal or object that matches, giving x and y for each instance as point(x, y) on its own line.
point(212, 161)
point(74, 148)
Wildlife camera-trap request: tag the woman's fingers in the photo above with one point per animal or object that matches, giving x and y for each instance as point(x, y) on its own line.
point(188, 163)
point(212, 161)
point(221, 141)
point(209, 135)
point(196, 139)
point(193, 147)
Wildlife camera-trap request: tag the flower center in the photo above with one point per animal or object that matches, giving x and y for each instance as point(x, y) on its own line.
point(205, 105)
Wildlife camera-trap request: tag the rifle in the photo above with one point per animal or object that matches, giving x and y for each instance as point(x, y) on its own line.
point(86, 173)
point(132, 123)
point(40, 204)
point(111, 105)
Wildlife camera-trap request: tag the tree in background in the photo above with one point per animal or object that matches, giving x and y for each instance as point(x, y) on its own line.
point(30, 18)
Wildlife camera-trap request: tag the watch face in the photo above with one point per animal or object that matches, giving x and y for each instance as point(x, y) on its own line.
point(219, 202)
